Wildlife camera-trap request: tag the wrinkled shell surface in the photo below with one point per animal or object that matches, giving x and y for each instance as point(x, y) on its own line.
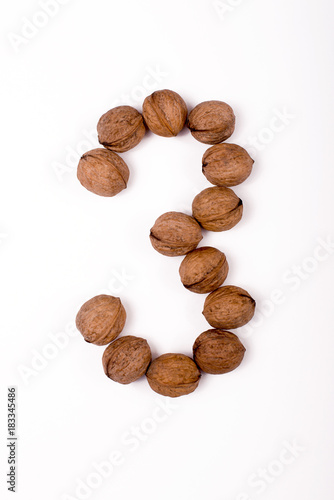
point(211, 122)
point(175, 233)
point(165, 113)
point(101, 319)
point(218, 351)
point(126, 359)
point(217, 208)
point(203, 270)
point(103, 172)
point(121, 129)
point(226, 164)
point(173, 375)
point(229, 307)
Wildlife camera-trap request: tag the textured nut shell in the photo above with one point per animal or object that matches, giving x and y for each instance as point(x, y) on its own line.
point(101, 319)
point(126, 359)
point(121, 129)
point(226, 164)
point(229, 307)
point(103, 172)
point(173, 375)
point(203, 270)
point(165, 113)
point(211, 122)
point(175, 233)
point(218, 351)
point(217, 208)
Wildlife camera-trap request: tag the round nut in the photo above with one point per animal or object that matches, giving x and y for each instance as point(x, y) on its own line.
point(126, 359)
point(226, 164)
point(103, 172)
point(165, 113)
point(229, 307)
point(175, 233)
point(173, 375)
point(211, 122)
point(203, 270)
point(121, 129)
point(218, 351)
point(101, 319)
point(217, 208)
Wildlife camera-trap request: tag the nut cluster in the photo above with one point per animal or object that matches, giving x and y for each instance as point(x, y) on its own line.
point(203, 270)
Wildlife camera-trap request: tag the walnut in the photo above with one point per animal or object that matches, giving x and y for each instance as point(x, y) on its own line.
point(203, 270)
point(226, 164)
point(173, 375)
point(229, 307)
point(121, 129)
point(165, 113)
point(175, 233)
point(211, 122)
point(103, 172)
point(217, 208)
point(218, 351)
point(126, 359)
point(101, 319)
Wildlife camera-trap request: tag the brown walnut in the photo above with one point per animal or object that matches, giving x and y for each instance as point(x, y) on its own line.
point(218, 351)
point(175, 233)
point(165, 113)
point(217, 208)
point(103, 172)
point(101, 319)
point(173, 375)
point(126, 359)
point(229, 307)
point(226, 164)
point(211, 122)
point(121, 129)
point(203, 270)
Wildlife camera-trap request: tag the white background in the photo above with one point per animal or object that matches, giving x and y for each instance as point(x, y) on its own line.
point(60, 245)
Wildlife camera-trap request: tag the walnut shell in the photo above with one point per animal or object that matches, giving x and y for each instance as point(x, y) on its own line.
point(229, 307)
point(121, 129)
point(203, 270)
point(211, 122)
point(173, 375)
point(103, 172)
point(101, 319)
point(226, 164)
point(175, 233)
point(126, 359)
point(217, 208)
point(218, 351)
point(165, 113)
